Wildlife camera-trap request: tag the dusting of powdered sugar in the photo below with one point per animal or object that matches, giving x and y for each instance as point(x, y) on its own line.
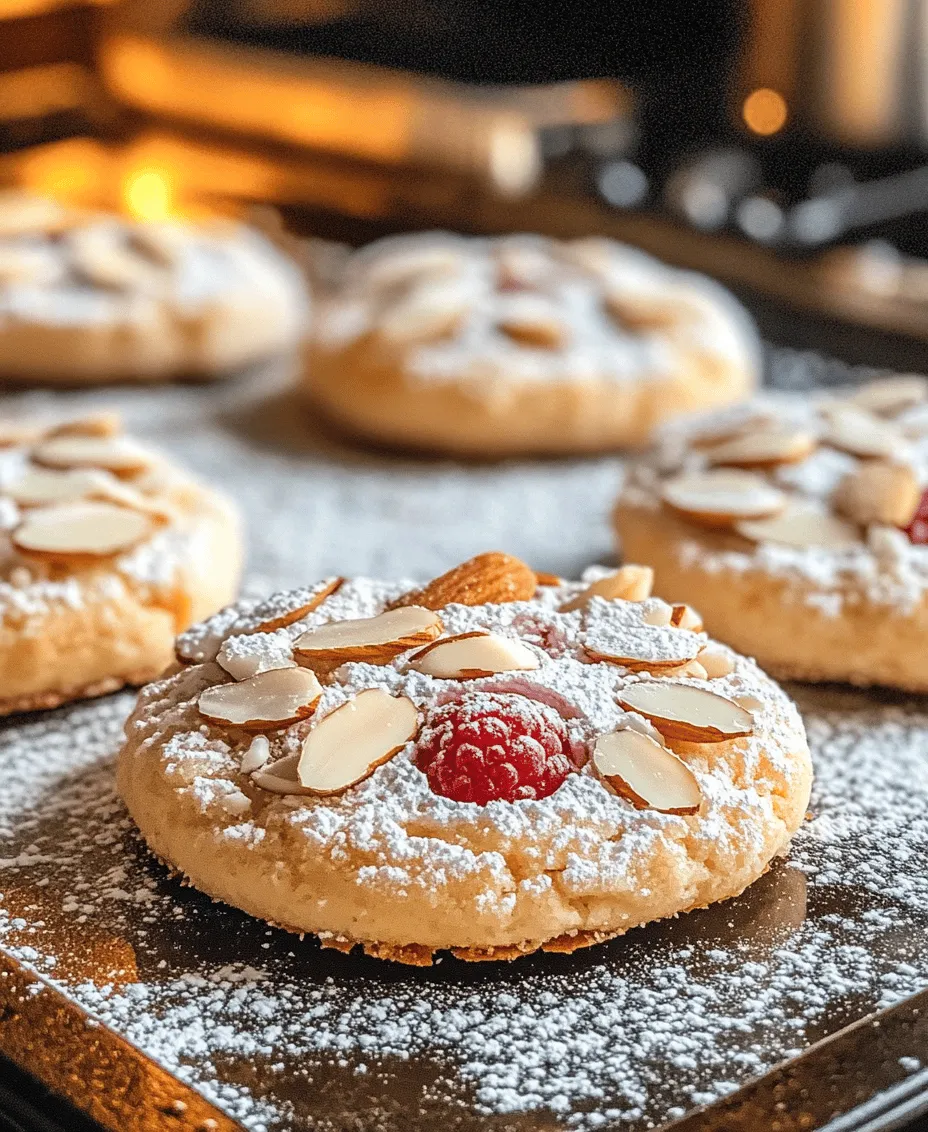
point(482, 284)
point(885, 566)
point(282, 1035)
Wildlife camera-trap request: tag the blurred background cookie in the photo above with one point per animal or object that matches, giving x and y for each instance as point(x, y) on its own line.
point(521, 344)
point(93, 297)
point(108, 550)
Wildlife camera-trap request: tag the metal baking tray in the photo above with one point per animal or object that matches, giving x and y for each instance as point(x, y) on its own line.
point(151, 1007)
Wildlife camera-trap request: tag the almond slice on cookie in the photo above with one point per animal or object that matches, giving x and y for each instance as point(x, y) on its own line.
point(802, 525)
point(350, 743)
point(81, 530)
point(879, 491)
point(116, 454)
point(860, 433)
point(628, 583)
point(284, 609)
point(645, 773)
point(722, 497)
point(888, 396)
point(471, 655)
point(687, 713)
point(369, 640)
point(491, 577)
point(265, 702)
point(643, 651)
point(766, 448)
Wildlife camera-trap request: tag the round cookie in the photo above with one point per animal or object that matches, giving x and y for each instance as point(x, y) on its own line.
point(797, 526)
point(90, 298)
point(108, 551)
point(518, 345)
point(488, 764)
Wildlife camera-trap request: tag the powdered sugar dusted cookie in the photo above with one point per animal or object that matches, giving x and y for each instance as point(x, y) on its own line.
point(799, 528)
point(494, 347)
point(96, 297)
point(108, 551)
point(485, 763)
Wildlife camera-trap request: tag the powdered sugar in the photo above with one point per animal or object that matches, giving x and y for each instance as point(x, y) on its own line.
point(283, 1035)
point(889, 571)
point(475, 288)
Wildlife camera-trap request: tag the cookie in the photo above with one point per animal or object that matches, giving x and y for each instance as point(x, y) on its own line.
point(90, 298)
point(109, 551)
point(519, 345)
point(484, 764)
point(798, 526)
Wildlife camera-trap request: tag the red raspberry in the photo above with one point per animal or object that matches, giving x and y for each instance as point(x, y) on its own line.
point(917, 530)
point(490, 745)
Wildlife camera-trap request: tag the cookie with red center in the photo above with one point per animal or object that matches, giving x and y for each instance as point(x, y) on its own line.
point(481, 763)
point(798, 526)
point(487, 747)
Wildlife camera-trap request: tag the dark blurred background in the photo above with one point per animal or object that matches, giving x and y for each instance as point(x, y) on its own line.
point(780, 145)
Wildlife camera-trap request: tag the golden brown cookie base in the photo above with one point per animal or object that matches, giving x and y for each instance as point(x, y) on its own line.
point(42, 701)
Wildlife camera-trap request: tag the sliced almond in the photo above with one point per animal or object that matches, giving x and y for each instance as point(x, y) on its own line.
point(404, 266)
point(282, 610)
point(862, 434)
point(370, 640)
point(765, 448)
point(715, 662)
point(878, 492)
point(685, 617)
point(492, 577)
point(103, 423)
point(658, 613)
point(643, 651)
point(99, 253)
point(543, 578)
point(268, 701)
point(732, 426)
point(802, 525)
point(257, 755)
point(17, 432)
point(646, 773)
point(427, 314)
point(632, 313)
point(470, 655)
point(532, 320)
point(41, 486)
point(628, 583)
point(280, 777)
point(353, 740)
point(693, 668)
point(891, 395)
point(114, 453)
point(78, 530)
point(721, 497)
point(687, 713)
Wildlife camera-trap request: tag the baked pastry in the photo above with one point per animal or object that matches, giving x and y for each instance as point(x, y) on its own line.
point(797, 525)
point(514, 345)
point(108, 551)
point(485, 764)
point(89, 297)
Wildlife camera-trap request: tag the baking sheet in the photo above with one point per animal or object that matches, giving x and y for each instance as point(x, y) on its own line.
point(279, 1034)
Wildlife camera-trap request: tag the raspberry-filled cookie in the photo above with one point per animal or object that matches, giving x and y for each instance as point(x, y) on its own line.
point(798, 526)
point(506, 346)
point(108, 551)
point(95, 297)
point(485, 764)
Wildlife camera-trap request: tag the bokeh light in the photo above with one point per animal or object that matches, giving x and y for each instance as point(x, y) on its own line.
point(148, 194)
point(765, 111)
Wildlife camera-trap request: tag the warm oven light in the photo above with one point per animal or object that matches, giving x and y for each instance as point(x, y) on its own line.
point(765, 111)
point(148, 194)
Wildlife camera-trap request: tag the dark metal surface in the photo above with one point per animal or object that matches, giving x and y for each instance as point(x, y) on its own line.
point(109, 964)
